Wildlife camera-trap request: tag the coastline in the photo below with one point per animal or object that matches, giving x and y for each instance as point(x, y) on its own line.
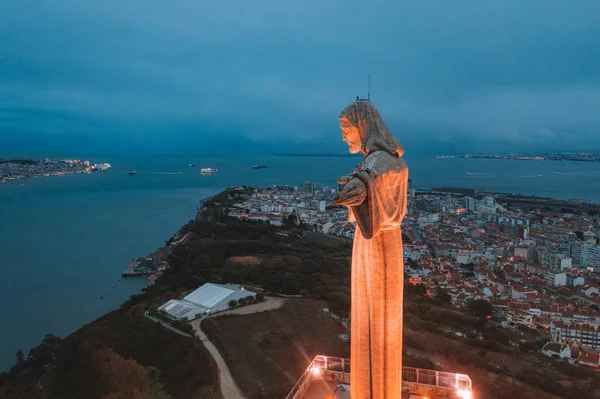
point(14, 169)
point(99, 222)
point(63, 192)
point(578, 157)
point(213, 242)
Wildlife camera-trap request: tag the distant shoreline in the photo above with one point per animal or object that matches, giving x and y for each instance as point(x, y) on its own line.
point(26, 168)
point(319, 155)
point(526, 201)
point(579, 157)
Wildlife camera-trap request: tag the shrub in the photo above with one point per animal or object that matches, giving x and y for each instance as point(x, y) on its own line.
point(339, 301)
point(489, 345)
point(233, 303)
point(480, 308)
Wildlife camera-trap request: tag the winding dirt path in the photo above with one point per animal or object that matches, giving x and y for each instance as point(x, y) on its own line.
point(229, 388)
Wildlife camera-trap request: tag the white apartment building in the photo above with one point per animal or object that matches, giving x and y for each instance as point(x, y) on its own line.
point(590, 256)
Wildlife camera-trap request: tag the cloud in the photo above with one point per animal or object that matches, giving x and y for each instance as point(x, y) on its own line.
point(459, 73)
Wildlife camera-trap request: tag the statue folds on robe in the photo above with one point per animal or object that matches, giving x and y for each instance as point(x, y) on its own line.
point(375, 194)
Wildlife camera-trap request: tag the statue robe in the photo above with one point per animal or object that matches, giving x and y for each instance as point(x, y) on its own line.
point(378, 279)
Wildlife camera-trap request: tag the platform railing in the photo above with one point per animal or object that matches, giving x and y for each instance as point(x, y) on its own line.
point(338, 369)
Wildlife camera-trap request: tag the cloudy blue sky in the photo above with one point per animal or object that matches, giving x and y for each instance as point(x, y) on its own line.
point(273, 75)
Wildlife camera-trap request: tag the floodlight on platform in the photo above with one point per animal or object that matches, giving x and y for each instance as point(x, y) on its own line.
point(334, 374)
point(464, 394)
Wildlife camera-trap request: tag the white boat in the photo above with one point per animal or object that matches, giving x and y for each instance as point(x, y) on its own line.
point(206, 171)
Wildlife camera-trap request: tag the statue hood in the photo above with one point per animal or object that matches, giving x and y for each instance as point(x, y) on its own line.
point(374, 135)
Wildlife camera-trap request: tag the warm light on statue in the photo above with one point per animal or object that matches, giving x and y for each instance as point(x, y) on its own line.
point(375, 194)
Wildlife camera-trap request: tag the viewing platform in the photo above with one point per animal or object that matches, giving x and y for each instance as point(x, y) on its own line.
point(329, 378)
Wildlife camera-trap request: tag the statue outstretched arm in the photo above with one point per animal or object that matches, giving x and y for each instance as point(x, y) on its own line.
point(354, 192)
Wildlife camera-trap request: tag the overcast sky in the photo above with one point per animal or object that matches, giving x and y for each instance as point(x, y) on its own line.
point(259, 76)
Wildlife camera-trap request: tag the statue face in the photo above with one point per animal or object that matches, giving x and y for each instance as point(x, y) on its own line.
point(351, 135)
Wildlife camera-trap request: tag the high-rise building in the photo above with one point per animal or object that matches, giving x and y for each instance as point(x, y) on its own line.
point(322, 206)
point(470, 203)
point(560, 261)
point(590, 256)
point(308, 187)
point(574, 249)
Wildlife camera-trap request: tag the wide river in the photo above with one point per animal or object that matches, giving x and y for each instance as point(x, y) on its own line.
point(64, 241)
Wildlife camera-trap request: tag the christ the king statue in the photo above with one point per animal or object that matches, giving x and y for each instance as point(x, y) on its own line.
point(375, 194)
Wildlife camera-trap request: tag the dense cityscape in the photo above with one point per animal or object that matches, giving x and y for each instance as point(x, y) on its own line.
point(538, 269)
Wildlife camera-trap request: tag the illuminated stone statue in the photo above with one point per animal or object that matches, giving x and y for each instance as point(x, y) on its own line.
point(376, 197)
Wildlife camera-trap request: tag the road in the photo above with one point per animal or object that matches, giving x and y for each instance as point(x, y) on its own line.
point(229, 388)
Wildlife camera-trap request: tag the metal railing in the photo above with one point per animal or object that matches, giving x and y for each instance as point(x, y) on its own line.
point(338, 369)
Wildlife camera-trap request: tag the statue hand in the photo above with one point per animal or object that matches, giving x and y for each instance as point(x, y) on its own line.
point(344, 179)
point(353, 193)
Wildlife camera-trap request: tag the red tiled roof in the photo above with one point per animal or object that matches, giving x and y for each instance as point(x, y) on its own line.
point(591, 358)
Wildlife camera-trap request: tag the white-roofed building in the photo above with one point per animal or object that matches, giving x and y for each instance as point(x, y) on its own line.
point(208, 299)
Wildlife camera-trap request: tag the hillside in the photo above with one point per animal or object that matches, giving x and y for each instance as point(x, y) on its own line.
point(125, 355)
point(94, 361)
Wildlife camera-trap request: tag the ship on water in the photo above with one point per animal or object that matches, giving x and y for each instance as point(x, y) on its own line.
point(192, 165)
point(132, 172)
point(207, 171)
point(259, 166)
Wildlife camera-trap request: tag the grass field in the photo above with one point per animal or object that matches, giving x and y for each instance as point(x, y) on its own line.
point(267, 352)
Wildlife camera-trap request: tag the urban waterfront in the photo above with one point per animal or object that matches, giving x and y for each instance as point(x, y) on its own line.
point(66, 240)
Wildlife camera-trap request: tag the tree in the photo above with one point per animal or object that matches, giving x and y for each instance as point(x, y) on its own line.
point(20, 356)
point(260, 297)
point(290, 221)
point(480, 308)
point(420, 289)
point(249, 299)
point(442, 296)
point(242, 301)
point(120, 378)
point(339, 301)
point(233, 303)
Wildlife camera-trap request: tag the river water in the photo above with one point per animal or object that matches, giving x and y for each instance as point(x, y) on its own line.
point(64, 241)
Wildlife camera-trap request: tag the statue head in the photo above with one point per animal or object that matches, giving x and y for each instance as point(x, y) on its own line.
point(364, 130)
